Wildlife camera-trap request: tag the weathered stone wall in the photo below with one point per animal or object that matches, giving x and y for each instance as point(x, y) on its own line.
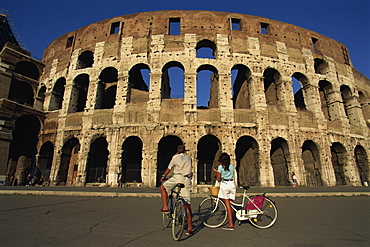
point(267, 127)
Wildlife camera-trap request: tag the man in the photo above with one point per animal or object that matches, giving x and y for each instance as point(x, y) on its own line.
point(182, 170)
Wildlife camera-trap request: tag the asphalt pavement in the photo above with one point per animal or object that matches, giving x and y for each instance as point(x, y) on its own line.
point(200, 192)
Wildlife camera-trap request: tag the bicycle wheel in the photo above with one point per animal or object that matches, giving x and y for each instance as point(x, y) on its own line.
point(266, 218)
point(179, 219)
point(212, 212)
point(167, 218)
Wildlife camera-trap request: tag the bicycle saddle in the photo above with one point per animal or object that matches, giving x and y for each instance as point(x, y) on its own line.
point(245, 187)
point(180, 185)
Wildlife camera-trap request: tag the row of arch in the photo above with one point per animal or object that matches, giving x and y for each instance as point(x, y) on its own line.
point(173, 86)
point(247, 159)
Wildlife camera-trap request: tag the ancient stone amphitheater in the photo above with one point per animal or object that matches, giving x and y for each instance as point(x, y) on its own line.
point(122, 93)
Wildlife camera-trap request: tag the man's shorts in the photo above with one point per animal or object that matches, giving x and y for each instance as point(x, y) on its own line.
point(227, 190)
point(174, 180)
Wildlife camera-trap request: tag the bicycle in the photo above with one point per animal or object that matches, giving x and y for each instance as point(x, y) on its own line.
point(259, 210)
point(177, 215)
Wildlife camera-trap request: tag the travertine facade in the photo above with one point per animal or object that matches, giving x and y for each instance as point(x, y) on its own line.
point(108, 125)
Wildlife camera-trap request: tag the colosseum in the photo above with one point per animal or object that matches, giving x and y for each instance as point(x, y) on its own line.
point(116, 97)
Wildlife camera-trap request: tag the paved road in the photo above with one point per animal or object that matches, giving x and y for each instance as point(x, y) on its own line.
point(29, 220)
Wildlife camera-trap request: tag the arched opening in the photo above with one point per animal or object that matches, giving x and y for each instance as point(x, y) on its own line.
point(23, 148)
point(167, 147)
point(21, 92)
point(362, 162)
point(45, 160)
point(311, 162)
point(271, 80)
point(85, 60)
point(325, 89)
point(67, 173)
point(139, 83)
point(321, 66)
point(339, 159)
point(299, 81)
point(207, 87)
point(107, 89)
point(247, 161)
point(27, 69)
point(40, 98)
point(172, 84)
point(209, 149)
point(57, 94)
point(131, 160)
point(97, 161)
point(79, 93)
point(279, 155)
point(365, 107)
point(241, 77)
point(206, 49)
point(349, 103)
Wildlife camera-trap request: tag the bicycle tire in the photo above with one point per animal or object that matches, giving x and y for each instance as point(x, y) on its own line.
point(167, 218)
point(179, 219)
point(267, 217)
point(211, 216)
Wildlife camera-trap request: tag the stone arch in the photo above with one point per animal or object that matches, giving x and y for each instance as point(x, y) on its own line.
point(80, 88)
point(299, 82)
point(167, 147)
point(339, 158)
point(132, 149)
point(349, 103)
point(40, 98)
point(85, 60)
point(27, 69)
point(67, 173)
point(57, 95)
point(107, 89)
point(21, 92)
point(280, 159)
point(206, 49)
point(207, 82)
point(271, 80)
point(247, 161)
point(362, 162)
point(365, 106)
point(139, 83)
point(208, 150)
point(45, 159)
point(311, 162)
point(241, 83)
point(97, 161)
point(172, 81)
point(22, 152)
point(325, 92)
point(321, 66)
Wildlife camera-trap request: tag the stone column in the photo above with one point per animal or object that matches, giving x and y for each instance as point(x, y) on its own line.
point(154, 104)
point(190, 97)
point(258, 101)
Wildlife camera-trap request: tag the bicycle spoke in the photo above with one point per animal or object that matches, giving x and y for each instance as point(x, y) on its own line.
point(266, 218)
point(179, 220)
point(212, 213)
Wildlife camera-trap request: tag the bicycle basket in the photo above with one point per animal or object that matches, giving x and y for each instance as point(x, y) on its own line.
point(214, 191)
point(258, 201)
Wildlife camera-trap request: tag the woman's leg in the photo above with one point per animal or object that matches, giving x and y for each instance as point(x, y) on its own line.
point(229, 213)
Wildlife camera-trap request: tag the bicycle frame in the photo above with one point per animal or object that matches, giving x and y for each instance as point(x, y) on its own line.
point(240, 208)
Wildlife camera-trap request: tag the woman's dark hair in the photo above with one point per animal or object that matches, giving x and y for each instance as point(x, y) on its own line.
point(225, 161)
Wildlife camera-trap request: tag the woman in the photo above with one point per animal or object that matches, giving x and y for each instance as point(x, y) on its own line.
point(225, 175)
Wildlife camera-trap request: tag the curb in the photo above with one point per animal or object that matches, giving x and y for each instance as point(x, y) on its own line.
point(195, 195)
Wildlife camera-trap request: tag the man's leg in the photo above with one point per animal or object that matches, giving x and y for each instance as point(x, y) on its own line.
point(189, 217)
point(164, 196)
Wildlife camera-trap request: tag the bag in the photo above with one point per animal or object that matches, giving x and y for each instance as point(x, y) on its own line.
point(258, 201)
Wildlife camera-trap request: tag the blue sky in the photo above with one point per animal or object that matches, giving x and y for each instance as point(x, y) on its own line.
point(39, 22)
